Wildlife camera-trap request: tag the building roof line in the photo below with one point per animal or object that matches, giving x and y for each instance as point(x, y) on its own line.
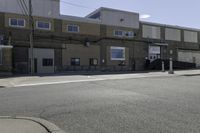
point(109, 9)
point(170, 26)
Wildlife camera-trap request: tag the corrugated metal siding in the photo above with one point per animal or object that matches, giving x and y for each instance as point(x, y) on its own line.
point(172, 34)
point(152, 32)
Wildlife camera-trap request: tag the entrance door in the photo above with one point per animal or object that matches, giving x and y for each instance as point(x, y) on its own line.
point(35, 65)
point(154, 53)
point(153, 57)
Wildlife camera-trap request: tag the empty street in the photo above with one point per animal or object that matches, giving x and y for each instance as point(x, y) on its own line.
point(141, 105)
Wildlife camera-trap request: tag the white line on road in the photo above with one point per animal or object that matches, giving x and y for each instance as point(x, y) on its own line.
point(58, 82)
point(87, 80)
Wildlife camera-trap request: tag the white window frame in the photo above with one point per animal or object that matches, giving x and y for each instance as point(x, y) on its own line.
point(118, 59)
point(73, 31)
point(130, 34)
point(1, 56)
point(118, 31)
point(43, 28)
point(18, 26)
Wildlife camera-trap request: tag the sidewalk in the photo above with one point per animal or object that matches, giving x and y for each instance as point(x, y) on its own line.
point(58, 79)
point(27, 125)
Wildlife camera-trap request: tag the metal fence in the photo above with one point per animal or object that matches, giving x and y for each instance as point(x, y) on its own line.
point(97, 68)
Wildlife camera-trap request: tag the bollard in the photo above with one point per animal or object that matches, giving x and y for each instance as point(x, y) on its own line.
point(171, 66)
point(163, 66)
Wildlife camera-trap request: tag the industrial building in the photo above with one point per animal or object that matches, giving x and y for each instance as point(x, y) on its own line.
point(105, 40)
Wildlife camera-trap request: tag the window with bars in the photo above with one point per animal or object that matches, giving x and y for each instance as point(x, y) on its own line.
point(47, 62)
point(75, 61)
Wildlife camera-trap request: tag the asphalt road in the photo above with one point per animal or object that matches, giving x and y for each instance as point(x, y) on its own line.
point(144, 105)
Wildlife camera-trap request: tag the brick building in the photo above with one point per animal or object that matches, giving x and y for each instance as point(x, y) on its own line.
point(106, 39)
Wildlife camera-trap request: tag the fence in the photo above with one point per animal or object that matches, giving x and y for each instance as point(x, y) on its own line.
point(97, 68)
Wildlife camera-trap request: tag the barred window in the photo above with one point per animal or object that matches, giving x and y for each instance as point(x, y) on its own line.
point(93, 61)
point(75, 61)
point(47, 62)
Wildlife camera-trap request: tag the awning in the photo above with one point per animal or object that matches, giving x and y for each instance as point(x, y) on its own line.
point(6, 46)
point(161, 44)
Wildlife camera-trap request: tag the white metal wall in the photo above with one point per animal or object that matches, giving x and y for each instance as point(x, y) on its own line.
point(151, 32)
point(44, 8)
point(172, 34)
point(189, 56)
point(118, 18)
point(41, 54)
point(190, 36)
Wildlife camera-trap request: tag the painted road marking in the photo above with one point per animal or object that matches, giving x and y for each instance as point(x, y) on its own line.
point(88, 80)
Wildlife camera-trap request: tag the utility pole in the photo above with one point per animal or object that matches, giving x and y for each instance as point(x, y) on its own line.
point(31, 37)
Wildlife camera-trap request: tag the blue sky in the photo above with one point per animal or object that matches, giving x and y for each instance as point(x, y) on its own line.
point(174, 12)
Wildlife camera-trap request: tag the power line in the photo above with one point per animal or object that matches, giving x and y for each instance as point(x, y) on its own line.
point(23, 8)
point(76, 5)
point(25, 5)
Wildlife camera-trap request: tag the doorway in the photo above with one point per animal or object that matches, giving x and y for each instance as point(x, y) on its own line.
point(35, 65)
point(154, 53)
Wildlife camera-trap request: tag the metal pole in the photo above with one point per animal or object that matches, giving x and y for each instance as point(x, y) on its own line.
point(171, 71)
point(31, 37)
point(163, 66)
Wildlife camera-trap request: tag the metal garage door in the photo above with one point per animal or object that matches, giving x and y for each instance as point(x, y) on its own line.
point(189, 56)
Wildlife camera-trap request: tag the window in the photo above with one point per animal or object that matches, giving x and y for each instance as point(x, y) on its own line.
point(1, 56)
point(16, 22)
point(118, 33)
point(75, 61)
point(47, 62)
point(129, 34)
point(43, 25)
point(118, 53)
point(93, 62)
point(153, 32)
point(72, 28)
point(191, 36)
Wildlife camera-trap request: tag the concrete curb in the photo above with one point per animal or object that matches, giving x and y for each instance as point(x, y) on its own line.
point(50, 127)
